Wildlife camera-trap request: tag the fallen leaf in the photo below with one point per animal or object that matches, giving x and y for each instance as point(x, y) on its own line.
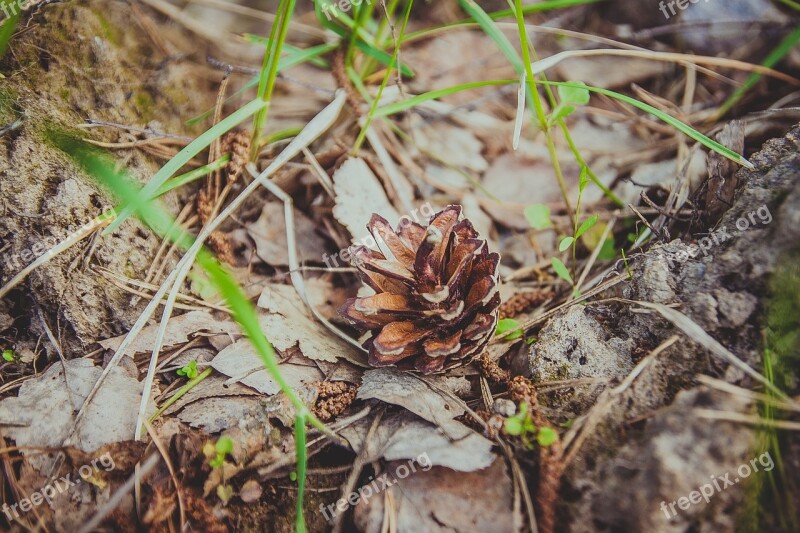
point(241, 362)
point(405, 436)
point(441, 499)
point(269, 234)
point(179, 330)
point(288, 324)
point(417, 394)
point(217, 413)
point(453, 145)
point(42, 415)
point(359, 194)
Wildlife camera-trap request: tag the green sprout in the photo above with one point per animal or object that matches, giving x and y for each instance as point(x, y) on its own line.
point(223, 447)
point(190, 370)
point(509, 324)
point(8, 356)
point(521, 425)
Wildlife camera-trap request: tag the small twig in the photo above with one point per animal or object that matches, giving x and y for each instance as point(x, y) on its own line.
point(165, 455)
point(118, 496)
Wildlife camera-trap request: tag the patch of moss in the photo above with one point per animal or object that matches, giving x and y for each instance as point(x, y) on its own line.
point(144, 104)
point(772, 499)
point(110, 32)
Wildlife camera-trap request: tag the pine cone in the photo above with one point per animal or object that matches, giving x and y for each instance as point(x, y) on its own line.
point(436, 302)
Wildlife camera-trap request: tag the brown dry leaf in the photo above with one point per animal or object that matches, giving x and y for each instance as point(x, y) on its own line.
point(217, 413)
point(288, 323)
point(179, 330)
point(406, 436)
point(456, 146)
point(358, 195)
point(417, 394)
point(269, 234)
point(43, 413)
point(439, 63)
point(440, 499)
point(241, 362)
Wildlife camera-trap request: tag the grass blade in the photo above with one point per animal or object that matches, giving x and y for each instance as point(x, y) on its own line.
point(669, 119)
point(397, 107)
point(142, 197)
point(242, 310)
point(490, 28)
point(7, 31)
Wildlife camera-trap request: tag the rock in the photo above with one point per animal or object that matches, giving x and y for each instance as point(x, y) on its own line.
point(573, 346)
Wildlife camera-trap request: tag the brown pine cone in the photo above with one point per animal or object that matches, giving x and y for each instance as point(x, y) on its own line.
point(436, 302)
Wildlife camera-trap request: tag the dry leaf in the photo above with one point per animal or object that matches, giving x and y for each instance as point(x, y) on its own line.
point(358, 195)
point(442, 500)
point(179, 330)
point(288, 323)
point(269, 234)
point(241, 362)
point(406, 436)
point(43, 413)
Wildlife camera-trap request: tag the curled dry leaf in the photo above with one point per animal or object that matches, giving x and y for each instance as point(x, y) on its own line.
point(406, 436)
point(436, 302)
point(179, 330)
point(241, 362)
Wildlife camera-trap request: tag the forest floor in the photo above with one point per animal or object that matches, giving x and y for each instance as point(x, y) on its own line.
point(586, 318)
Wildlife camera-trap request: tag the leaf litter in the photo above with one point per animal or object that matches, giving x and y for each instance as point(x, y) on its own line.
point(453, 150)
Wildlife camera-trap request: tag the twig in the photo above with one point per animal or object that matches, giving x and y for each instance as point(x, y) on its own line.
point(123, 491)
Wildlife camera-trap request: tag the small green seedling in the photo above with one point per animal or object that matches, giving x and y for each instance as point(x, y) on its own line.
point(538, 216)
point(569, 97)
point(509, 324)
point(9, 357)
point(224, 493)
point(521, 425)
point(190, 370)
point(223, 447)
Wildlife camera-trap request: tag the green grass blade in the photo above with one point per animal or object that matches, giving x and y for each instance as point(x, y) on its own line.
point(202, 142)
point(269, 71)
point(193, 175)
point(7, 31)
point(495, 15)
point(374, 107)
point(397, 107)
point(242, 310)
point(490, 28)
point(785, 46)
point(672, 121)
point(302, 461)
point(541, 6)
point(384, 58)
point(295, 57)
